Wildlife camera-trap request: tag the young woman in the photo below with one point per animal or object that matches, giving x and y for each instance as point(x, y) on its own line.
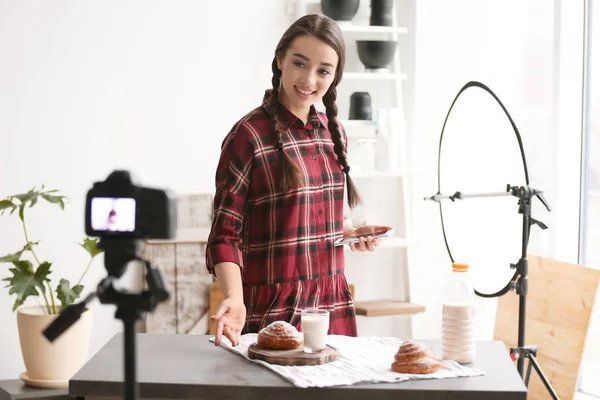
point(279, 198)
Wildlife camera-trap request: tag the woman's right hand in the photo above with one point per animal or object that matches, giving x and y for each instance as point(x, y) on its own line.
point(230, 318)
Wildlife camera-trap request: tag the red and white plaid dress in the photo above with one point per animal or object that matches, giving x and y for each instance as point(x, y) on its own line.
point(283, 241)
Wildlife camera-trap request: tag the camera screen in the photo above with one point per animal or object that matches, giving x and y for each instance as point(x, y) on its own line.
point(113, 214)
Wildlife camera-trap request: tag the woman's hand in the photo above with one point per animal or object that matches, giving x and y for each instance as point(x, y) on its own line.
point(366, 243)
point(230, 318)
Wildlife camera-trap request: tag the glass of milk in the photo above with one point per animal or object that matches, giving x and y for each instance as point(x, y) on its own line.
point(315, 324)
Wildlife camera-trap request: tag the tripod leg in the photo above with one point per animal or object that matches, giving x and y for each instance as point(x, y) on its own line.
point(533, 361)
point(528, 375)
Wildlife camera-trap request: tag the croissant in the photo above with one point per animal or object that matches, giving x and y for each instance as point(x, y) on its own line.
point(414, 358)
point(280, 335)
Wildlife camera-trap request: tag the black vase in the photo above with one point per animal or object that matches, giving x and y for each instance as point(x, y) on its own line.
point(382, 13)
point(376, 54)
point(360, 106)
point(340, 10)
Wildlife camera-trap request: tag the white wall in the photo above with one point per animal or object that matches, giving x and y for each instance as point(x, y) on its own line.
point(87, 87)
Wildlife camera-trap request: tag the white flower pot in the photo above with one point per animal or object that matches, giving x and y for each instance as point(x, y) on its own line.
point(52, 364)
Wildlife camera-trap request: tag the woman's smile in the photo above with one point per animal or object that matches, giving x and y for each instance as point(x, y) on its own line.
point(303, 93)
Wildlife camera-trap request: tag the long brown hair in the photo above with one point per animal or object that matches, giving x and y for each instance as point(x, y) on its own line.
point(326, 30)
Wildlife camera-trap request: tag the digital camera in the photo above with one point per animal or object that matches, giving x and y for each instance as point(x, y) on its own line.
point(116, 208)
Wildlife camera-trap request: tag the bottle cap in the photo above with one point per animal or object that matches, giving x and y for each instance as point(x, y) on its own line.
point(460, 267)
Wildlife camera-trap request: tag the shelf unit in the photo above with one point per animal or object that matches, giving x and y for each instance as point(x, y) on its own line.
point(398, 246)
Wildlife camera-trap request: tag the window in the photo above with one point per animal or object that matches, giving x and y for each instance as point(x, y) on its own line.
point(590, 250)
point(530, 52)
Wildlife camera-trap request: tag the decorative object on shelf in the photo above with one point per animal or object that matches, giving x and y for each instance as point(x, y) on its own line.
point(382, 13)
point(376, 54)
point(340, 10)
point(360, 106)
point(49, 365)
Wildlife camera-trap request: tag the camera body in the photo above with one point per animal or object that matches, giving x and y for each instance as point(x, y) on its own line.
point(117, 208)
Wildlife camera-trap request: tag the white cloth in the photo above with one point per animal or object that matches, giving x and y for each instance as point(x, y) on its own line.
point(362, 359)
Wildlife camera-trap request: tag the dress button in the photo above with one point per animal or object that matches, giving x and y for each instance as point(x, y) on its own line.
point(307, 133)
point(319, 184)
point(320, 212)
point(322, 237)
point(314, 157)
point(324, 264)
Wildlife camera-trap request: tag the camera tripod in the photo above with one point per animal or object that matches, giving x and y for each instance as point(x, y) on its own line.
point(130, 306)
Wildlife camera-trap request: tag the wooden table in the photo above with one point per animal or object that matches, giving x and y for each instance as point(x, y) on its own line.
point(189, 366)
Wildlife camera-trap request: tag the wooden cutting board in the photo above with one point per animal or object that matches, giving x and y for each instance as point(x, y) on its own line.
point(293, 357)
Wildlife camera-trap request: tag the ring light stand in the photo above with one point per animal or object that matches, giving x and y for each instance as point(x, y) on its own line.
point(519, 281)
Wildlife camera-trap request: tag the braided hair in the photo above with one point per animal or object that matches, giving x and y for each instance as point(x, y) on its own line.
point(326, 30)
point(290, 173)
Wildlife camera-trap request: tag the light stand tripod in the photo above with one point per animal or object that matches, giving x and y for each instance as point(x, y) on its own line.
point(519, 281)
point(130, 306)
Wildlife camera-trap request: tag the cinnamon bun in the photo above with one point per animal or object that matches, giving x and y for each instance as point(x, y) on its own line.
point(280, 335)
point(414, 358)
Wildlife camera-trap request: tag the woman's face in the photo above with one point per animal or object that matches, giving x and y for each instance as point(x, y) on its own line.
point(307, 72)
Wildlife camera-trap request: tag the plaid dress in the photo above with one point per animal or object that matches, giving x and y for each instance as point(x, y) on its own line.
point(282, 241)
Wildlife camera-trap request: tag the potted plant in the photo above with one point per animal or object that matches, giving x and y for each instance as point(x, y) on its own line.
point(48, 364)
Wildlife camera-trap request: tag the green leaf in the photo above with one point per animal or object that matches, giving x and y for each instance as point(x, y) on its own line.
point(21, 211)
point(17, 256)
point(18, 303)
point(41, 274)
point(91, 246)
point(31, 198)
point(66, 294)
point(7, 204)
point(54, 199)
point(25, 197)
point(25, 281)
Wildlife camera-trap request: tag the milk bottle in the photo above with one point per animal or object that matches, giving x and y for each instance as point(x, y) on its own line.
point(458, 317)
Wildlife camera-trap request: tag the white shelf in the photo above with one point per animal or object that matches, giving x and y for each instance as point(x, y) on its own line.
point(378, 308)
point(373, 76)
point(360, 129)
point(366, 29)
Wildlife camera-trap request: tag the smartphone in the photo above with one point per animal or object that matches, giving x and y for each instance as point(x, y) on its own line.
point(355, 239)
